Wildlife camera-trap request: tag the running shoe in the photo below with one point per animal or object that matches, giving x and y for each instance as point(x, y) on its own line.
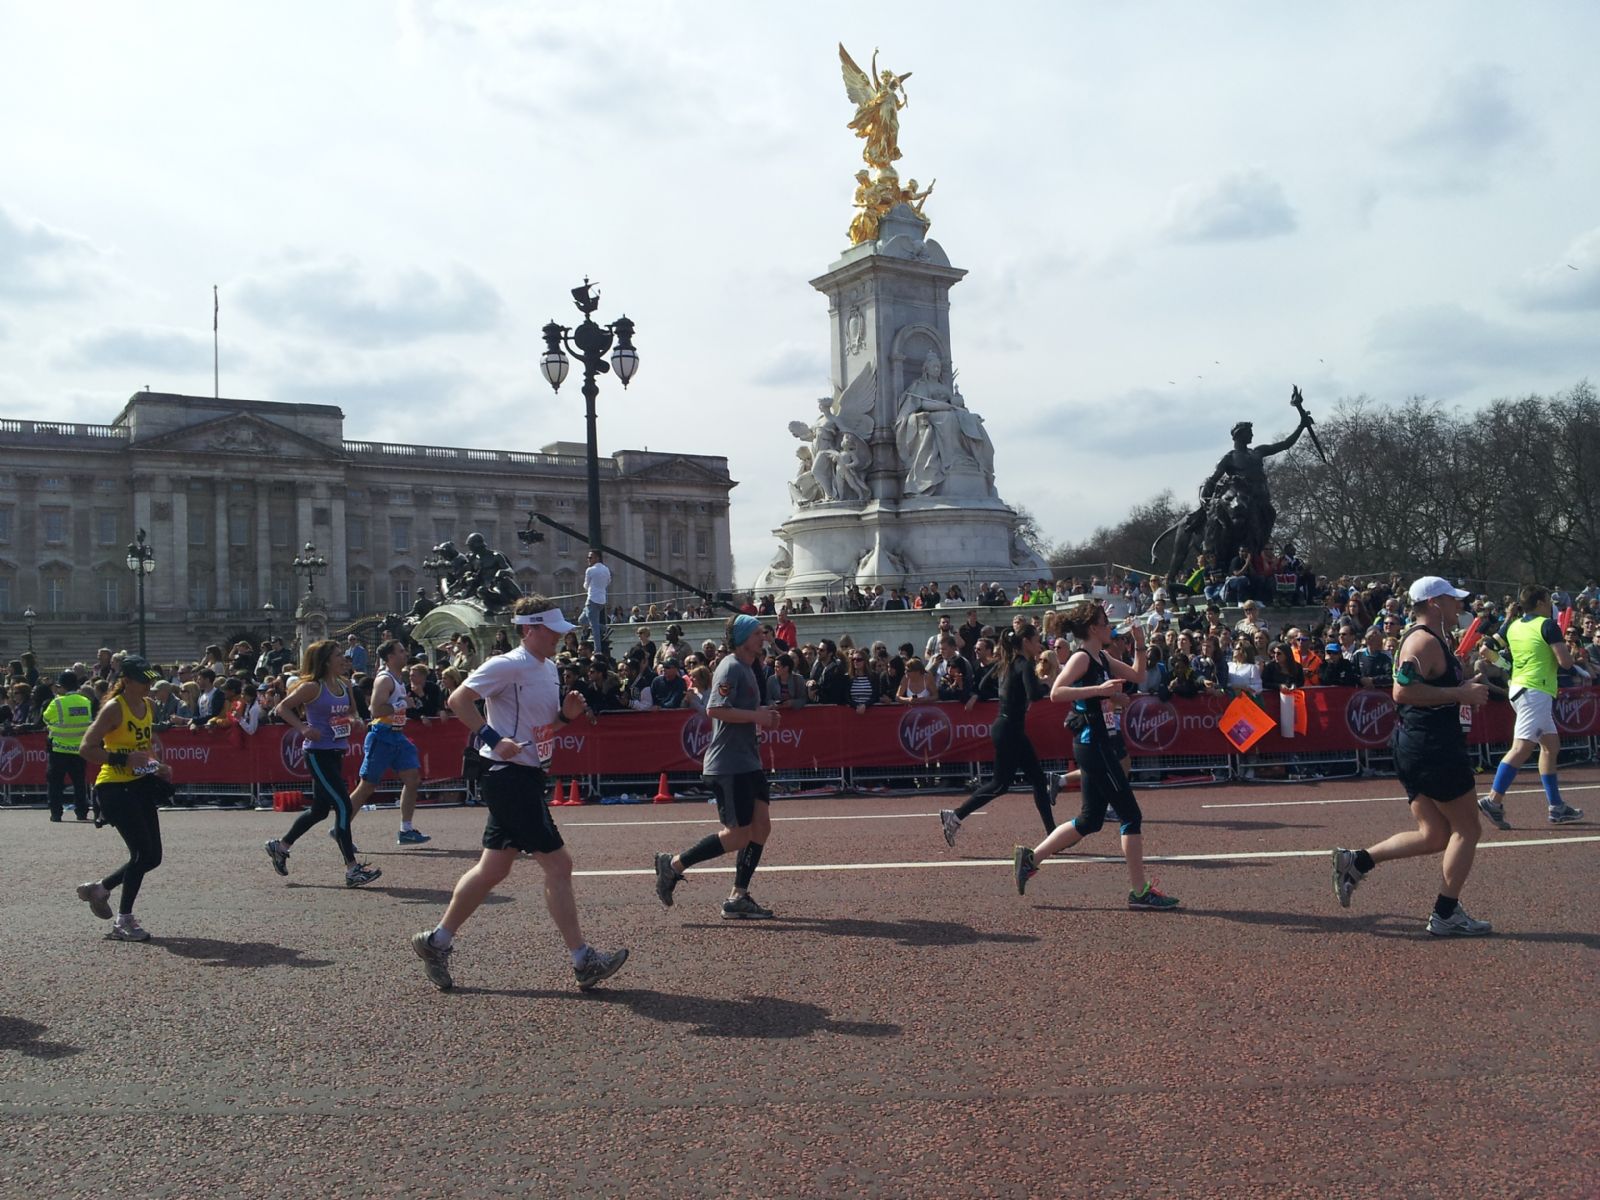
point(360, 874)
point(1150, 898)
point(435, 962)
point(1495, 812)
point(666, 879)
point(1457, 924)
point(411, 837)
point(1023, 868)
point(94, 894)
point(279, 854)
point(128, 929)
point(1054, 786)
point(598, 965)
point(1564, 814)
point(951, 823)
point(1345, 875)
point(745, 908)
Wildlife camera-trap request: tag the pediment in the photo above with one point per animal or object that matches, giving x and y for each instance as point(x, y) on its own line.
point(678, 470)
point(241, 434)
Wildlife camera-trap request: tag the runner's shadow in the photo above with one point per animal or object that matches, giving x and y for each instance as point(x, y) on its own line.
point(905, 933)
point(1409, 927)
point(426, 852)
point(214, 953)
point(406, 895)
point(1237, 826)
point(25, 1038)
point(751, 1017)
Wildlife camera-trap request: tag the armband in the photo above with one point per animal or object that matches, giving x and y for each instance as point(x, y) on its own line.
point(488, 737)
point(1406, 673)
point(117, 758)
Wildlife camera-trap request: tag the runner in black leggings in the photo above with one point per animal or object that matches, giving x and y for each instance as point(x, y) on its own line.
point(1013, 752)
point(1089, 678)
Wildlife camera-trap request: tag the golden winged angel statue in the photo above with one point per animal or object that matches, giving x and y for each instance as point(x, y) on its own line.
point(878, 98)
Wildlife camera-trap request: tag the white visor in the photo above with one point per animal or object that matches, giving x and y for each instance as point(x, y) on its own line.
point(550, 618)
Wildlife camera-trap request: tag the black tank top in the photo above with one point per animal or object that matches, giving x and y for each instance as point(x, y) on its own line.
point(1098, 673)
point(1433, 724)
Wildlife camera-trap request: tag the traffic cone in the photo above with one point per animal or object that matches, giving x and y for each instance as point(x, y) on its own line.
point(663, 792)
point(573, 799)
point(556, 800)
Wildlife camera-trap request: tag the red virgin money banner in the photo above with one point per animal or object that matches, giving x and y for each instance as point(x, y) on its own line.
point(820, 737)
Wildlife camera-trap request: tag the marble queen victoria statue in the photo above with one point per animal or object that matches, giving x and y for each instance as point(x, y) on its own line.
point(938, 438)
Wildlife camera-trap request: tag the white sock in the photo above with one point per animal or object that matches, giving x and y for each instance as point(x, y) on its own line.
point(405, 826)
point(442, 938)
point(581, 953)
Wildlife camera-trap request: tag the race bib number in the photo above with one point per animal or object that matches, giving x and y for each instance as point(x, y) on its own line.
point(1466, 717)
point(544, 742)
point(339, 729)
point(1114, 721)
point(150, 768)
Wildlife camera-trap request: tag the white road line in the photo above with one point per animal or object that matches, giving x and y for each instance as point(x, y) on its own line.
point(775, 820)
point(1577, 787)
point(1074, 860)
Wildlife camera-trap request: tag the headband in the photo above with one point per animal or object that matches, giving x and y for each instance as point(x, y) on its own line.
point(550, 617)
point(743, 626)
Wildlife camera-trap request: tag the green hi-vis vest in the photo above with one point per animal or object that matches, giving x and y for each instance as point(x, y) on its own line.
point(68, 718)
point(1533, 663)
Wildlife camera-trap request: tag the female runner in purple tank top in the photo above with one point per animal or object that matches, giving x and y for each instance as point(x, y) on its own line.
point(320, 708)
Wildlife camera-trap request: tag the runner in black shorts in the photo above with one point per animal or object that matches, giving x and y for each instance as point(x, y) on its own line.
point(516, 734)
point(1430, 757)
point(732, 766)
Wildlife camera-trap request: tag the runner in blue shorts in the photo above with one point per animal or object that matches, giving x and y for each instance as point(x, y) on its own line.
point(387, 748)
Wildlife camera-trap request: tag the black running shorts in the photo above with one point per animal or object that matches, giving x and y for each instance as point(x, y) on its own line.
point(737, 796)
point(1439, 774)
point(518, 816)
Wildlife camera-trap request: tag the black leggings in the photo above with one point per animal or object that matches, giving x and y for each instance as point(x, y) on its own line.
point(328, 794)
point(133, 810)
point(1013, 752)
point(1105, 783)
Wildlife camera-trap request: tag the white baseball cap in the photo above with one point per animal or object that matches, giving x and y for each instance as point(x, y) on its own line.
point(1430, 587)
point(551, 618)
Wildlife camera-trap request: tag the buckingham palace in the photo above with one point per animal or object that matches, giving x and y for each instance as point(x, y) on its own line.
point(230, 491)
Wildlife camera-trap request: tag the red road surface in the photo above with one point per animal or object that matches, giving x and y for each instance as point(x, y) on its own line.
point(912, 1030)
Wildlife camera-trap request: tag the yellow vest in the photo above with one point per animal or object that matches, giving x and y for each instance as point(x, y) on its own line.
point(68, 718)
point(131, 735)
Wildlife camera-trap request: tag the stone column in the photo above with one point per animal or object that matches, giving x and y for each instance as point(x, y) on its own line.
point(220, 593)
point(339, 556)
point(180, 545)
point(263, 543)
point(721, 549)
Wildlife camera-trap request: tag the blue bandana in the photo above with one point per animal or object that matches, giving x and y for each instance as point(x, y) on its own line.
point(743, 626)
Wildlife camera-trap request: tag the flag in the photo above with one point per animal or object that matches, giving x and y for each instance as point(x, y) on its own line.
point(1291, 712)
point(1470, 638)
point(1564, 620)
point(1244, 724)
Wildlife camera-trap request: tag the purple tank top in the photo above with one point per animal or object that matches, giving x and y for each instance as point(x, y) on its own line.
point(329, 718)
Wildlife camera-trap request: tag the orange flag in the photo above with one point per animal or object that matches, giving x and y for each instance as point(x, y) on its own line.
point(1244, 724)
point(1470, 638)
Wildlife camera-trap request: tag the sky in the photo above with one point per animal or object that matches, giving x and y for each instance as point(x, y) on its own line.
point(1170, 214)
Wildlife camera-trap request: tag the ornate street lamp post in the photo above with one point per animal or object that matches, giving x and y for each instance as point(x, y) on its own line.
point(141, 561)
point(269, 608)
point(310, 564)
point(28, 616)
point(589, 343)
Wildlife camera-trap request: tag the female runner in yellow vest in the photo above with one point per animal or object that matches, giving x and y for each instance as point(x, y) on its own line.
point(130, 786)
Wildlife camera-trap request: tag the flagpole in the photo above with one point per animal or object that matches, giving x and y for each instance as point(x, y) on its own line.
point(216, 375)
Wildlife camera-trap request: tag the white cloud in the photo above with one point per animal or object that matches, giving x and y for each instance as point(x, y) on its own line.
point(41, 263)
point(1570, 284)
point(337, 300)
point(127, 346)
point(1240, 206)
point(1472, 127)
point(795, 366)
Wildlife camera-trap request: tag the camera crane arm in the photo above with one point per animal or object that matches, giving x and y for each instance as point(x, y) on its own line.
point(532, 535)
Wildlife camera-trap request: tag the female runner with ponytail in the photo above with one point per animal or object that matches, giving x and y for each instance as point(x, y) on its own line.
point(1090, 678)
point(1019, 648)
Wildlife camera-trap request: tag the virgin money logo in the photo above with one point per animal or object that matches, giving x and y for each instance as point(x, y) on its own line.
point(696, 736)
point(1575, 711)
point(1150, 724)
point(12, 759)
point(1370, 717)
point(292, 747)
point(925, 732)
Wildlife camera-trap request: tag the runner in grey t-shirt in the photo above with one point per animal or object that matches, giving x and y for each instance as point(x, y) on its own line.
point(732, 766)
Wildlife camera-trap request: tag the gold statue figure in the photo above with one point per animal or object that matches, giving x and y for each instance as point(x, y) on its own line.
point(878, 98)
point(874, 198)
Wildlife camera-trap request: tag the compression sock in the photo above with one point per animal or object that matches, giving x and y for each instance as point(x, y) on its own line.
point(1503, 775)
point(748, 858)
point(1445, 906)
point(1364, 863)
point(704, 850)
point(1552, 790)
